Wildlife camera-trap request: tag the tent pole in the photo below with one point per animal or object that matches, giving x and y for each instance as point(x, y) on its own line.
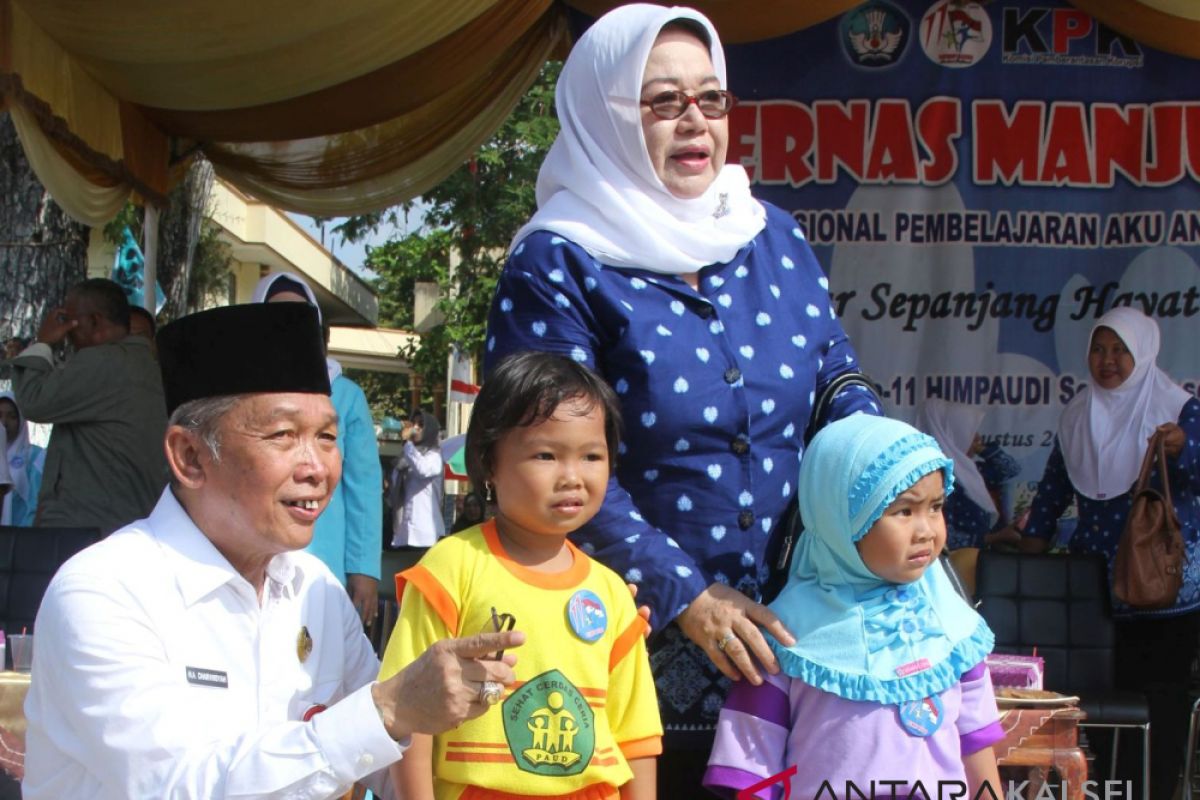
point(150, 272)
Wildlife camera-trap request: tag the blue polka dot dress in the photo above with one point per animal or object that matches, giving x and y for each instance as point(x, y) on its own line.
point(967, 523)
point(1102, 521)
point(716, 386)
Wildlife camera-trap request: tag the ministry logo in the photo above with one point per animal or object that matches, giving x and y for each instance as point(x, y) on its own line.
point(956, 33)
point(874, 35)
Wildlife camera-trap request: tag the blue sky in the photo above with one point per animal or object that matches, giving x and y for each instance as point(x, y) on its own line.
point(354, 254)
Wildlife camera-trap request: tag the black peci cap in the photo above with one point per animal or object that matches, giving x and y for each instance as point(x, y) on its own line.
point(244, 349)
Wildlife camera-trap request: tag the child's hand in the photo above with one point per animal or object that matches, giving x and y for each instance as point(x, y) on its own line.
point(643, 611)
point(724, 622)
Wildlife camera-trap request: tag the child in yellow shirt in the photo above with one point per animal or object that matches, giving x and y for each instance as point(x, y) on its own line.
point(581, 722)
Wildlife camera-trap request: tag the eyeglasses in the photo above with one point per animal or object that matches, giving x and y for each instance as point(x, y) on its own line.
point(498, 624)
point(713, 104)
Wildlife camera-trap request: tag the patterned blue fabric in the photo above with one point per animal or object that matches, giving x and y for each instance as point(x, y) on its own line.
point(716, 386)
point(966, 522)
point(858, 636)
point(1101, 521)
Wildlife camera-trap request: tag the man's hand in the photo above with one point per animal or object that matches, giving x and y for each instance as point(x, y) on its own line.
point(724, 622)
point(56, 326)
point(1008, 535)
point(441, 689)
point(364, 594)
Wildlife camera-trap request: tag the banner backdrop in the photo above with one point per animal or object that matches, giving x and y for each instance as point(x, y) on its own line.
point(981, 182)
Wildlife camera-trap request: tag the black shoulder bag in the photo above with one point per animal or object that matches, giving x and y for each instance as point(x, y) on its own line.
point(787, 532)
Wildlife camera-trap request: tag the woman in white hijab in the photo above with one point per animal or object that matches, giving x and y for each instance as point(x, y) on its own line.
point(1102, 438)
point(972, 512)
point(22, 466)
point(650, 261)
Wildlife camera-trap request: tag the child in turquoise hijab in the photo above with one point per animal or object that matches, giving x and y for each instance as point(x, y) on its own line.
point(886, 685)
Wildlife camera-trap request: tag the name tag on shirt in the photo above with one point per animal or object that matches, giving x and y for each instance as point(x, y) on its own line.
point(207, 677)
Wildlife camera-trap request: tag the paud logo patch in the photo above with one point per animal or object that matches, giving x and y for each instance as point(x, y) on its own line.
point(549, 726)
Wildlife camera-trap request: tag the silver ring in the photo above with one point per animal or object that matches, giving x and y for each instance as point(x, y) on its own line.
point(490, 693)
point(725, 640)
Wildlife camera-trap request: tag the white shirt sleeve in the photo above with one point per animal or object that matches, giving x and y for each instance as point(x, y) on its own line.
point(107, 705)
point(426, 463)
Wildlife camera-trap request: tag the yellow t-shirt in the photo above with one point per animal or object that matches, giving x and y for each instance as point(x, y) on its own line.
point(584, 700)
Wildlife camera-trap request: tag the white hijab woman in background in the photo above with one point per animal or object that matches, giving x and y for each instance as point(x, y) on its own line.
point(421, 524)
point(349, 533)
point(972, 511)
point(1102, 438)
point(22, 465)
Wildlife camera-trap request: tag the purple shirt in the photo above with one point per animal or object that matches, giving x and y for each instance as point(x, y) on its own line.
point(764, 730)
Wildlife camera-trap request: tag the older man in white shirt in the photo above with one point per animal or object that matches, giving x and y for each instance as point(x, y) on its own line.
point(199, 653)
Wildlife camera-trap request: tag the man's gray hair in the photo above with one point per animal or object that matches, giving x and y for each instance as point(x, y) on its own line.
point(203, 418)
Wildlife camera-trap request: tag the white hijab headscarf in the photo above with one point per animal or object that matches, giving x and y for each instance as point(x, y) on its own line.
point(260, 296)
point(597, 186)
point(12, 467)
point(953, 426)
point(1104, 432)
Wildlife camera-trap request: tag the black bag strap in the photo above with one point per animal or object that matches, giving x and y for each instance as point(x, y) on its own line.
point(790, 525)
point(820, 410)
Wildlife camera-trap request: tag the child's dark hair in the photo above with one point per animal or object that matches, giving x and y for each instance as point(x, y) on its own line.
point(525, 389)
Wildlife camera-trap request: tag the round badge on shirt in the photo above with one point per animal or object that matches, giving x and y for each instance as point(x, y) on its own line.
point(921, 717)
point(587, 615)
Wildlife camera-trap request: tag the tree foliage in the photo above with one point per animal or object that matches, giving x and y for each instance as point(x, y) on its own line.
point(473, 214)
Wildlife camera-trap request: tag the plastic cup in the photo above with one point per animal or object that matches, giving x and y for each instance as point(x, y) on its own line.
point(21, 646)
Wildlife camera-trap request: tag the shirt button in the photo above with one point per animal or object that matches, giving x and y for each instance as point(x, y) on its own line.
point(732, 375)
point(366, 760)
point(745, 519)
point(705, 311)
point(740, 446)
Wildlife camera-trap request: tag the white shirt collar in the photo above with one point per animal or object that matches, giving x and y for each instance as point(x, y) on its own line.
point(203, 569)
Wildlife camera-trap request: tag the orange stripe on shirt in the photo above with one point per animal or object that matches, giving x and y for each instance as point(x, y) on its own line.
point(499, 758)
point(626, 641)
point(642, 748)
point(597, 791)
point(433, 592)
point(476, 744)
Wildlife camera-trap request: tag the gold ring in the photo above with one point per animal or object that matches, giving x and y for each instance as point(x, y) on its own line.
point(725, 640)
point(490, 693)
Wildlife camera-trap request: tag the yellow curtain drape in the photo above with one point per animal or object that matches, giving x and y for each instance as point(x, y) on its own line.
point(81, 199)
point(327, 108)
point(746, 20)
point(385, 164)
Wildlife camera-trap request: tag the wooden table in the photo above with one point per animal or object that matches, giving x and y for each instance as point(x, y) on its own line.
point(1041, 739)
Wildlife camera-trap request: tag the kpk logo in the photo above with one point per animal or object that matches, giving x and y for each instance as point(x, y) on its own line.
point(1064, 36)
point(955, 33)
point(875, 35)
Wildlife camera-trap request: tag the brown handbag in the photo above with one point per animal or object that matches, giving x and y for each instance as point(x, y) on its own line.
point(1148, 570)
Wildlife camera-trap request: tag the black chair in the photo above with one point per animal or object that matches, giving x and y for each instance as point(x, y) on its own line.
point(29, 557)
point(1060, 605)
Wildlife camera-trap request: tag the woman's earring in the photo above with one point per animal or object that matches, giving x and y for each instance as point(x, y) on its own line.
point(489, 492)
